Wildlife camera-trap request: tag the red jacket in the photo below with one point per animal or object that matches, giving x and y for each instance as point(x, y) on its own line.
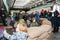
point(1, 28)
point(42, 11)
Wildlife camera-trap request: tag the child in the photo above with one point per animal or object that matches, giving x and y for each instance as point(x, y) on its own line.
point(12, 22)
point(34, 23)
point(28, 22)
point(20, 34)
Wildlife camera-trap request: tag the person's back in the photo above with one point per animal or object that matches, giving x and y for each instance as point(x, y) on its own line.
point(21, 32)
point(38, 15)
point(20, 16)
point(32, 15)
point(56, 13)
point(45, 14)
point(17, 36)
point(42, 13)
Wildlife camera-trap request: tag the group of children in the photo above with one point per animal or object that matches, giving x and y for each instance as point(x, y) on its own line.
point(19, 34)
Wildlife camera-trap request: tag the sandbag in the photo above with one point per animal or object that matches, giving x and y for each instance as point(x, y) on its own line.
point(35, 31)
point(45, 21)
point(38, 33)
point(44, 35)
point(46, 27)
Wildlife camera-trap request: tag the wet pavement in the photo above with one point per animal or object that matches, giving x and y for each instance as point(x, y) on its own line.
point(56, 36)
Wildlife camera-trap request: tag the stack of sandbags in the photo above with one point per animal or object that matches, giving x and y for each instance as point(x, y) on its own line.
point(47, 22)
point(48, 32)
point(39, 33)
point(43, 32)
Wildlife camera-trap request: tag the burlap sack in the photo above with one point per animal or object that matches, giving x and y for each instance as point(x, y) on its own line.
point(44, 36)
point(45, 21)
point(38, 33)
point(45, 39)
point(46, 27)
point(35, 32)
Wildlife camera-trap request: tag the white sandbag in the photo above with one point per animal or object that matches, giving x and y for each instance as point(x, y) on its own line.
point(46, 27)
point(45, 21)
point(49, 32)
point(35, 31)
point(44, 35)
point(45, 39)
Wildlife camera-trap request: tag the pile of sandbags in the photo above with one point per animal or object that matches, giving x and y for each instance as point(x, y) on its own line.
point(43, 32)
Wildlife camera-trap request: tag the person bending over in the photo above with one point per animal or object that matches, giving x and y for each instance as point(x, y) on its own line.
point(21, 32)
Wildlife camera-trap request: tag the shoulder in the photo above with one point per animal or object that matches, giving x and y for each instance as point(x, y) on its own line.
point(22, 34)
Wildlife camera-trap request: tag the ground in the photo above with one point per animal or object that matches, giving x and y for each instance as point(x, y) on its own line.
point(56, 36)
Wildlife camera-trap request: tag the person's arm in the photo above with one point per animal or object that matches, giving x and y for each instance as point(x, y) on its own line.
point(8, 36)
point(54, 8)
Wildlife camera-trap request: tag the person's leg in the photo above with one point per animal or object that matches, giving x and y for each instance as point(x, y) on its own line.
point(53, 24)
point(57, 26)
point(3, 22)
point(12, 25)
point(57, 29)
point(13, 28)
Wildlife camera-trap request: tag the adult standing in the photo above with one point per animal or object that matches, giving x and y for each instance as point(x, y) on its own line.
point(3, 16)
point(12, 22)
point(55, 22)
point(54, 19)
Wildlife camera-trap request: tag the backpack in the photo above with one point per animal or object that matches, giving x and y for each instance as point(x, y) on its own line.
point(1, 31)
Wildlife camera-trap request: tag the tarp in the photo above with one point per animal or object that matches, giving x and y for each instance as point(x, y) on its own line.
point(21, 3)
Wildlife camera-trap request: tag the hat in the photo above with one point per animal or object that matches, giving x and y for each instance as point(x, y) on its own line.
point(21, 21)
point(23, 12)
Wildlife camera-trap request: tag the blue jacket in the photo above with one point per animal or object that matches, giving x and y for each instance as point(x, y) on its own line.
point(38, 14)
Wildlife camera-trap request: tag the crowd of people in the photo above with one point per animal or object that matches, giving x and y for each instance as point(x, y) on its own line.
point(30, 19)
point(33, 19)
point(25, 20)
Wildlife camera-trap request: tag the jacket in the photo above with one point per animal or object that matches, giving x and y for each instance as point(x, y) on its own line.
point(16, 36)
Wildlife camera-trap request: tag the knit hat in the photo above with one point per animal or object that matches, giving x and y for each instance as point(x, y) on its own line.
point(21, 21)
